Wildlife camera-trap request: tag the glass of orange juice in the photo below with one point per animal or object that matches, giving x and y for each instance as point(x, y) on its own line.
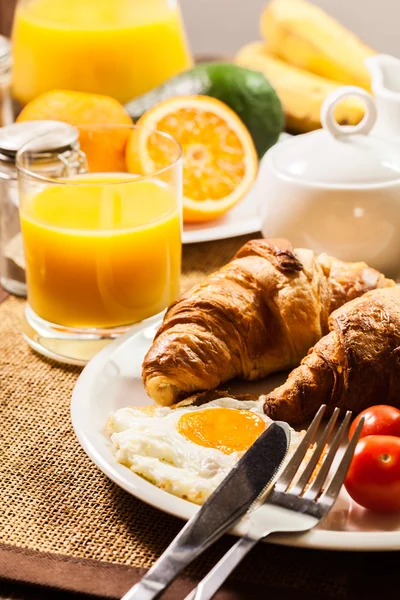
point(121, 48)
point(102, 248)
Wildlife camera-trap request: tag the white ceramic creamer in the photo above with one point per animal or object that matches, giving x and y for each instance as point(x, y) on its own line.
point(385, 84)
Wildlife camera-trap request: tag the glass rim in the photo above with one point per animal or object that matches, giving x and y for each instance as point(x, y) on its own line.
point(26, 171)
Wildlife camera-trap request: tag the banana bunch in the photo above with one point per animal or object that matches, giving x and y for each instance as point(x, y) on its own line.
point(306, 54)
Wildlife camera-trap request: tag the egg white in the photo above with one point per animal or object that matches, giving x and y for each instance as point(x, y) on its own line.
point(148, 442)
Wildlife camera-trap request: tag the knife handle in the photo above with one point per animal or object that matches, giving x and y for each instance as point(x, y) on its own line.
point(218, 574)
point(192, 540)
point(177, 556)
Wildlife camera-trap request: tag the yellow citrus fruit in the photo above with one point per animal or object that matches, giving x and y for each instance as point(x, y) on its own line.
point(219, 159)
point(105, 147)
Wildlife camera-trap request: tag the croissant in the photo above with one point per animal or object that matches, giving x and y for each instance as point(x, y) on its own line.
point(355, 366)
point(259, 314)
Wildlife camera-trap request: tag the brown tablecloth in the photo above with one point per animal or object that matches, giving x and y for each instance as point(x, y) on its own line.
point(63, 524)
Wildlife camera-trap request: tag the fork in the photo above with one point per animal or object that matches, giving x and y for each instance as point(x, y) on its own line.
point(294, 504)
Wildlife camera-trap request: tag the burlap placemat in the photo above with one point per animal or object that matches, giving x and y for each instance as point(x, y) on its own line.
point(64, 524)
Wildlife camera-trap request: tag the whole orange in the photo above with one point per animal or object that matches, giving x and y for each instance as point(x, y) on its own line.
point(105, 146)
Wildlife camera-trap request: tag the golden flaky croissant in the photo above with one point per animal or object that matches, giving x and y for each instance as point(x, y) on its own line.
point(257, 315)
point(355, 366)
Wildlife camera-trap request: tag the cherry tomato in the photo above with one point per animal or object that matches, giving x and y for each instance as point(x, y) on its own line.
point(373, 479)
point(379, 420)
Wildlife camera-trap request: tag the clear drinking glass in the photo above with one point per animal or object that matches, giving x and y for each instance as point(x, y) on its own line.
point(102, 249)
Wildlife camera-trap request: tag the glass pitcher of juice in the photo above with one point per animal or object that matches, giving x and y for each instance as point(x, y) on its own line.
point(121, 48)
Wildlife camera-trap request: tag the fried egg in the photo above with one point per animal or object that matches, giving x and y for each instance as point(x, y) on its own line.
point(188, 450)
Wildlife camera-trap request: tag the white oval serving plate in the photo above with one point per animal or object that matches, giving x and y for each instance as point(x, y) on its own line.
point(112, 380)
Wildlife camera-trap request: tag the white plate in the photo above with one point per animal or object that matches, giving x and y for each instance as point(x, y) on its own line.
point(240, 220)
point(112, 380)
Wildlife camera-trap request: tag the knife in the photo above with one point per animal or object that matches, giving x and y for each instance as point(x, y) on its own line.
point(229, 502)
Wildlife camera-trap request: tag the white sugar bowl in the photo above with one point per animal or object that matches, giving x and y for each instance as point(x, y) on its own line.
point(336, 190)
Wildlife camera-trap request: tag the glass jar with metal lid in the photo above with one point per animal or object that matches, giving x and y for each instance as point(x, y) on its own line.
point(58, 156)
point(6, 109)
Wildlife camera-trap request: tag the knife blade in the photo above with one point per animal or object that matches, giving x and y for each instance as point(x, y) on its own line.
point(227, 504)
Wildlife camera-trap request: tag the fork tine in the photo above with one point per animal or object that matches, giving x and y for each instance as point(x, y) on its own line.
point(316, 487)
point(331, 493)
point(291, 469)
point(299, 486)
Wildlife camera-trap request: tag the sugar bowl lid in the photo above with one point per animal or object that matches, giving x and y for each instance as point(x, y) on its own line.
point(340, 155)
point(60, 136)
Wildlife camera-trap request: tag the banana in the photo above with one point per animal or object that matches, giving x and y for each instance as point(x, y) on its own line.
point(300, 92)
point(305, 36)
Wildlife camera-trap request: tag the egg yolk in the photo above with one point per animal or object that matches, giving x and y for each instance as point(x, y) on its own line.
point(225, 429)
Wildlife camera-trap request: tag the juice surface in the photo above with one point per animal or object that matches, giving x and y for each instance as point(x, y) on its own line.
point(101, 255)
point(121, 48)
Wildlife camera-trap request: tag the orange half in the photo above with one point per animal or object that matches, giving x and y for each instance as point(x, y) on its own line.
point(219, 158)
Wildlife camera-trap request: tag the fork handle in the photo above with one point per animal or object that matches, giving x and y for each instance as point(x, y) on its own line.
point(218, 574)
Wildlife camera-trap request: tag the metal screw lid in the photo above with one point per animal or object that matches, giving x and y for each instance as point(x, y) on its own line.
point(60, 137)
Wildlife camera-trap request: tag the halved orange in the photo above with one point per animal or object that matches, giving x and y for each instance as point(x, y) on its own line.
point(219, 158)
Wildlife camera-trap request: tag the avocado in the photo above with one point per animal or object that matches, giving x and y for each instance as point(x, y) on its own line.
point(245, 91)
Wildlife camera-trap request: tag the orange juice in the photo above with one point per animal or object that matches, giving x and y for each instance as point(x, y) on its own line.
point(101, 255)
point(121, 48)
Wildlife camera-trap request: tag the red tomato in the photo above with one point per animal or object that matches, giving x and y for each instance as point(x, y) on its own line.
point(379, 420)
point(373, 479)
